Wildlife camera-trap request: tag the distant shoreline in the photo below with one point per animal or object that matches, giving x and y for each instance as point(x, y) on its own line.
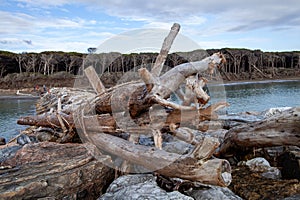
point(8, 97)
point(11, 93)
point(262, 80)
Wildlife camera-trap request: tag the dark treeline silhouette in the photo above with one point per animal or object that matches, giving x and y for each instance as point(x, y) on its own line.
point(239, 61)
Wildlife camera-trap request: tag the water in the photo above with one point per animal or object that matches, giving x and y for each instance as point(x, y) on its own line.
point(257, 96)
point(251, 96)
point(10, 111)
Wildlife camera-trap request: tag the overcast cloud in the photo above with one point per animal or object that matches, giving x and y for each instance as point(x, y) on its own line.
point(62, 24)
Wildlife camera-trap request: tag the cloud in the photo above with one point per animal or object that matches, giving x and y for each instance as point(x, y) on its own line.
point(211, 21)
point(15, 41)
point(252, 14)
point(15, 22)
point(42, 3)
point(235, 15)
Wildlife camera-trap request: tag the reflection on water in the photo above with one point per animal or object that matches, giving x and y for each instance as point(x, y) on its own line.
point(258, 96)
point(10, 111)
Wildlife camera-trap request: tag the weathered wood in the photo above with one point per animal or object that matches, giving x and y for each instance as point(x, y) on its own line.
point(216, 171)
point(107, 123)
point(278, 130)
point(54, 170)
point(185, 134)
point(194, 91)
point(142, 107)
point(166, 46)
point(94, 80)
point(134, 97)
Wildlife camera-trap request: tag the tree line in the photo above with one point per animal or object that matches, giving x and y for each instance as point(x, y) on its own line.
point(49, 62)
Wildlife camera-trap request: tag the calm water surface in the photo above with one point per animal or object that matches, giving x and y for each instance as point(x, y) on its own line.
point(252, 96)
point(257, 96)
point(10, 111)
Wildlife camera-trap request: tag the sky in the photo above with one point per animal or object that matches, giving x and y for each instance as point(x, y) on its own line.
point(76, 25)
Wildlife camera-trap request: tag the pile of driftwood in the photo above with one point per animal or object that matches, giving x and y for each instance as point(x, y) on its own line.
point(114, 118)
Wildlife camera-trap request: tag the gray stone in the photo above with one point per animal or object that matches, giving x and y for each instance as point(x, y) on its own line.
point(294, 197)
point(177, 146)
point(140, 186)
point(261, 165)
point(25, 139)
point(272, 173)
point(258, 164)
point(214, 193)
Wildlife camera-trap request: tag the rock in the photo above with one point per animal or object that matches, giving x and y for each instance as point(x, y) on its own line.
point(275, 111)
point(140, 186)
point(2, 141)
point(25, 139)
point(294, 197)
point(54, 171)
point(272, 173)
point(258, 164)
point(214, 193)
point(177, 146)
point(146, 140)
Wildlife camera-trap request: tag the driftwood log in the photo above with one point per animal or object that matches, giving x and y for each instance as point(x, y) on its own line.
point(55, 171)
point(278, 130)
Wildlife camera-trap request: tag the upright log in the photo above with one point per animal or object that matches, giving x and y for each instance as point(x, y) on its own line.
point(94, 80)
point(161, 58)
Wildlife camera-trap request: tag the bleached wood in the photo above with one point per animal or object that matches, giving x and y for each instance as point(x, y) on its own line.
point(166, 46)
point(215, 171)
point(94, 80)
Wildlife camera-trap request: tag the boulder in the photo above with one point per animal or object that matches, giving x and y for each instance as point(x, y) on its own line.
point(261, 165)
point(142, 186)
point(50, 170)
point(214, 193)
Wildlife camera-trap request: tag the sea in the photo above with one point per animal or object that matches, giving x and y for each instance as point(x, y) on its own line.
point(242, 96)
